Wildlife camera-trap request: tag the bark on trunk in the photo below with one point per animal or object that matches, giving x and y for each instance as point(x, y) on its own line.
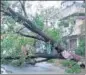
point(29, 25)
point(42, 55)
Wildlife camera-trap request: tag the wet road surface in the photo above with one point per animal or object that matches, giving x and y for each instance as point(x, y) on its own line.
point(39, 68)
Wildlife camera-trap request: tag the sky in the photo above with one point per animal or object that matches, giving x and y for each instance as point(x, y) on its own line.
point(45, 4)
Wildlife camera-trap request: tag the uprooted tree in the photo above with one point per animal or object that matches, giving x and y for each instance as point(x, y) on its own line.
point(23, 20)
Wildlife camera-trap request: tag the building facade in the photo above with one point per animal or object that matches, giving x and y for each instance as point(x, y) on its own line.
point(73, 9)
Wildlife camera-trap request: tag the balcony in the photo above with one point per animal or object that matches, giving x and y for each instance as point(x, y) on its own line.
point(73, 10)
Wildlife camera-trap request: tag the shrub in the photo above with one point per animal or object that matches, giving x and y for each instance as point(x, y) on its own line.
point(16, 63)
point(11, 46)
point(68, 63)
point(72, 67)
point(81, 49)
point(51, 61)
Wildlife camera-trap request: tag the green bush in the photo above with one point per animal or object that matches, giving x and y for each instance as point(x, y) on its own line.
point(3, 61)
point(81, 49)
point(11, 46)
point(72, 67)
point(54, 33)
point(51, 61)
point(38, 21)
point(16, 63)
point(68, 63)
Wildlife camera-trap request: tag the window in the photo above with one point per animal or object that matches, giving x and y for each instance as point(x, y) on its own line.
point(73, 44)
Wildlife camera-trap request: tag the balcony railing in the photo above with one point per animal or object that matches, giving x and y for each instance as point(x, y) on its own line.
point(74, 9)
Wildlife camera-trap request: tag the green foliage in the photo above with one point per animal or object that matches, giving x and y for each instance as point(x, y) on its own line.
point(54, 33)
point(81, 49)
point(16, 63)
point(38, 20)
point(3, 61)
point(12, 43)
point(72, 67)
point(6, 3)
point(51, 60)
point(11, 46)
point(68, 63)
point(48, 47)
point(7, 25)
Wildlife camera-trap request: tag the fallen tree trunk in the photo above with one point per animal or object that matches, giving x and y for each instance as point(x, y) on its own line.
point(31, 36)
point(29, 25)
point(42, 55)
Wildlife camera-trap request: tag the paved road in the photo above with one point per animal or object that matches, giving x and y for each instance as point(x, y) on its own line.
point(39, 68)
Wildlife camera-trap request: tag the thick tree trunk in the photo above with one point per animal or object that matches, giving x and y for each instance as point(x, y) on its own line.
point(42, 55)
point(27, 23)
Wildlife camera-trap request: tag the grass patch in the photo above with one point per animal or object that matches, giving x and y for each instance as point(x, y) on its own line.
point(51, 61)
point(72, 67)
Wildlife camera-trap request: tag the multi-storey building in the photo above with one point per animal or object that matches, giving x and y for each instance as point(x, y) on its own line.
point(73, 9)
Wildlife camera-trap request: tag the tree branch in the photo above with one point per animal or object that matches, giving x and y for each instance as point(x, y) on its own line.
point(23, 8)
point(28, 24)
point(42, 55)
point(20, 29)
point(35, 37)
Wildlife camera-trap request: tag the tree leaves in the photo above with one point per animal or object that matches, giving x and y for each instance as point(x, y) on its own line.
point(12, 44)
point(81, 49)
point(38, 20)
point(54, 33)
